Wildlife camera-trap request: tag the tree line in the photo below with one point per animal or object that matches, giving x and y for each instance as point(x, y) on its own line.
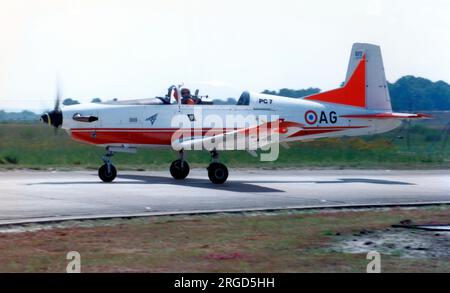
point(409, 93)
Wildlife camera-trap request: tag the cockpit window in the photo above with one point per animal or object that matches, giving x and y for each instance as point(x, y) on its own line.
point(244, 99)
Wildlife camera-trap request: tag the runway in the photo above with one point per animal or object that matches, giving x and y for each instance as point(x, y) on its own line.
point(27, 196)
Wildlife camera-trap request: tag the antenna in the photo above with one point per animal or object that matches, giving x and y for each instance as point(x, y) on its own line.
point(178, 90)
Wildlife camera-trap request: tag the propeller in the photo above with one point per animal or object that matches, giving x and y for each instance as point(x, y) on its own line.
point(54, 117)
point(58, 97)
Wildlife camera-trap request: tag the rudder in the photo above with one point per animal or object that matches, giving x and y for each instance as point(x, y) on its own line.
point(377, 92)
point(365, 84)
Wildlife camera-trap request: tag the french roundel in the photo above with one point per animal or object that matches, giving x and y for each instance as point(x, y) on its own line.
point(310, 117)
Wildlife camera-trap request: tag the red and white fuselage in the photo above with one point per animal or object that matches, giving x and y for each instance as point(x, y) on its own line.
point(361, 107)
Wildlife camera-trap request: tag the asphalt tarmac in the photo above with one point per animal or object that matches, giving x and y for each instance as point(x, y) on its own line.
point(29, 196)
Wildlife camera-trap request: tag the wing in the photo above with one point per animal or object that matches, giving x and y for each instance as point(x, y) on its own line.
point(250, 138)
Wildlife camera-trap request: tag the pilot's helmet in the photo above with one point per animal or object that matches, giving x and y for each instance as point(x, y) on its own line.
point(185, 93)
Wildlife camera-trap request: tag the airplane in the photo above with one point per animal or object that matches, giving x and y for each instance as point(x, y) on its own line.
point(362, 106)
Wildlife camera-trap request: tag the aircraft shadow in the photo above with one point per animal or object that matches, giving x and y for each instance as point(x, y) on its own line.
point(235, 186)
point(365, 180)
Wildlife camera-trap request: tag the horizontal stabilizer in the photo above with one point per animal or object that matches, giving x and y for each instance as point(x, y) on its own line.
point(388, 116)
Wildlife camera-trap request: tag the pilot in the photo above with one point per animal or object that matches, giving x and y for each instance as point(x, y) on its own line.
point(186, 97)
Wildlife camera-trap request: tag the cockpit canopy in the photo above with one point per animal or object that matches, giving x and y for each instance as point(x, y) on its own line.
point(172, 98)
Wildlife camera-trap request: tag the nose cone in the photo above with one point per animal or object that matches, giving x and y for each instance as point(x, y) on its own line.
point(44, 118)
point(54, 118)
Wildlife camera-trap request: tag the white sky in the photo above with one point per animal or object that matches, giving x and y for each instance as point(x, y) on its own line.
point(135, 49)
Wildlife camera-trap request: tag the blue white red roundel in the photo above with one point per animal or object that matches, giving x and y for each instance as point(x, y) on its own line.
point(310, 117)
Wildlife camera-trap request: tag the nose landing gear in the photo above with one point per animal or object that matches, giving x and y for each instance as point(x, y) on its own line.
point(107, 172)
point(179, 169)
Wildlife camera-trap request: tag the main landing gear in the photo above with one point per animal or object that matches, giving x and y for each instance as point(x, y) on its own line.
point(107, 171)
point(217, 172)
point(179, 169)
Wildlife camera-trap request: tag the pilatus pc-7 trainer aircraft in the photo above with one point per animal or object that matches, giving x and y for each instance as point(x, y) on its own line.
point(182, 121)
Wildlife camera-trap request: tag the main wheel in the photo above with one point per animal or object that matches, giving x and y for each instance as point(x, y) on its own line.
point(217, 173)
point(179, 169)
point(105, 175)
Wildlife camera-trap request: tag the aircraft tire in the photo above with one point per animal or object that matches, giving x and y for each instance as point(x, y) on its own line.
point(217, 173)
point(179, 170)
point(106, 176)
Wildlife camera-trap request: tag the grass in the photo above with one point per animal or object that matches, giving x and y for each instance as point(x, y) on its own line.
point(280, 242)
point(36, 146)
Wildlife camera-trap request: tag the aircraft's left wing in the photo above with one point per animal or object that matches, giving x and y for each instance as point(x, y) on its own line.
point(250, 138)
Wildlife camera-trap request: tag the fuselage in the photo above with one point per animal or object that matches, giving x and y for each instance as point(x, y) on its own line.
point(153, 125)
point(181, 121)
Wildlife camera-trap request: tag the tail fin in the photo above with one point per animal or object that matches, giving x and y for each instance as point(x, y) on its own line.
point(365, 84)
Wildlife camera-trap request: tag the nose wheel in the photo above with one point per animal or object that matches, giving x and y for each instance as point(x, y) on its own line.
point(107, 172)
point(179, 169)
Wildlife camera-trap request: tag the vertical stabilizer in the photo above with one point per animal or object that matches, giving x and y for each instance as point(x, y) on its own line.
point(377, 93)
point(365, 84)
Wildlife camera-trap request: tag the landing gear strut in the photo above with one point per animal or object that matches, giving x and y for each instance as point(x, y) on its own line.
point(107, 171)
point(217, 172)
point(179, 169)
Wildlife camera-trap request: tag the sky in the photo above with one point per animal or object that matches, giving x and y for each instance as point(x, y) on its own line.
point(137, 49)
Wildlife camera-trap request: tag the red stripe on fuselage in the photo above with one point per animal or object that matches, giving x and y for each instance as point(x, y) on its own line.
point(134, 136)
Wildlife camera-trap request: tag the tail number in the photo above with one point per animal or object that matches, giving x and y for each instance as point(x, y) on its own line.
point(311, 117)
